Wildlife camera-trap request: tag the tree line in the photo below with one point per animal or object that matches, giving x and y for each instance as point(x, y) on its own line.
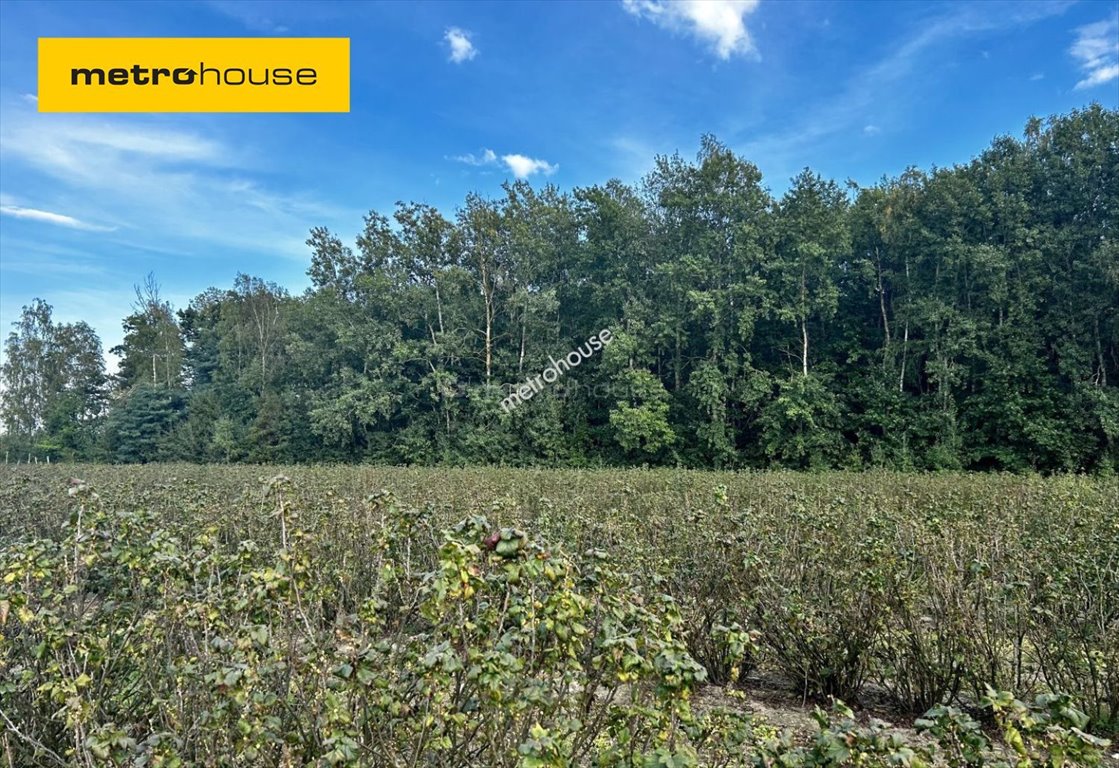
point(963, 317)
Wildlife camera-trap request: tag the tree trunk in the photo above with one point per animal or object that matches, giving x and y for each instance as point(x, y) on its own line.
point(439, 306)
point(882, 309)
point(489, 340)
point(676, 372)
point(524, 331)
point(804, 318)
point(804, 346)
point(905, 340)
point(904, 352)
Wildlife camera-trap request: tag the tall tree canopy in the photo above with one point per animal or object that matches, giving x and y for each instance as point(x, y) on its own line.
point(53, 386)
point(963, 317)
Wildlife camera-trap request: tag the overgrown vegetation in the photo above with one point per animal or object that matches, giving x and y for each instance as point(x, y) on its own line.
point(181, 615)
point(957, 318)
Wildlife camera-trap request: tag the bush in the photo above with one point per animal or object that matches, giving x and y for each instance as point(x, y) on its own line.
point(190, 616)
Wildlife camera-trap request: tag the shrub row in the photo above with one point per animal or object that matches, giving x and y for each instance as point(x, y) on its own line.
point(176, 621)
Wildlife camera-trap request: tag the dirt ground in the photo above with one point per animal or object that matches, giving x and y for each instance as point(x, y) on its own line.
point(771, 698)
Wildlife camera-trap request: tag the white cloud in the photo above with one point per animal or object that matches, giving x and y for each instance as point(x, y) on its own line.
point(523, 167)
point(721, 24)
point(488, 157)
point(49, 217)
point(871, 130)
point(462, 49)
point(1097, 51)
point(520, 166)
point(155, 181)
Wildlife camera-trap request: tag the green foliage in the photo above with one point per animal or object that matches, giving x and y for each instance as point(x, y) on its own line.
point(1048, 732)
point(152, 351)
point(960, 318)
point(172, 615)
point(53, 380)
point(640, 421)
point(800, 427)
point(137, 430)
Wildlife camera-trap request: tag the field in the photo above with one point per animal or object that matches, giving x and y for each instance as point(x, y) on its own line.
point(248, 616)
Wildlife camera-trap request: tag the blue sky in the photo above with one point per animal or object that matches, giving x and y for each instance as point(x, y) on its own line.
point(448, 98)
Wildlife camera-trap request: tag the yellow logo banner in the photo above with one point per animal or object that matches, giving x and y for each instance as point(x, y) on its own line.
point(199, 74)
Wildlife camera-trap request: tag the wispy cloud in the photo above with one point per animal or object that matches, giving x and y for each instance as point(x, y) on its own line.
point(720, 24)
point(630, 157)
point(871, 130)
point(523, 167)
point(895, 80)
point(84, 151)
point(41, 266)
point(49, 217)
point(39, 256)
point(519, 165)
point(488, 157)
point(1096, 51)
point(458, 40)
point(157, 182)
point(252, 15)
